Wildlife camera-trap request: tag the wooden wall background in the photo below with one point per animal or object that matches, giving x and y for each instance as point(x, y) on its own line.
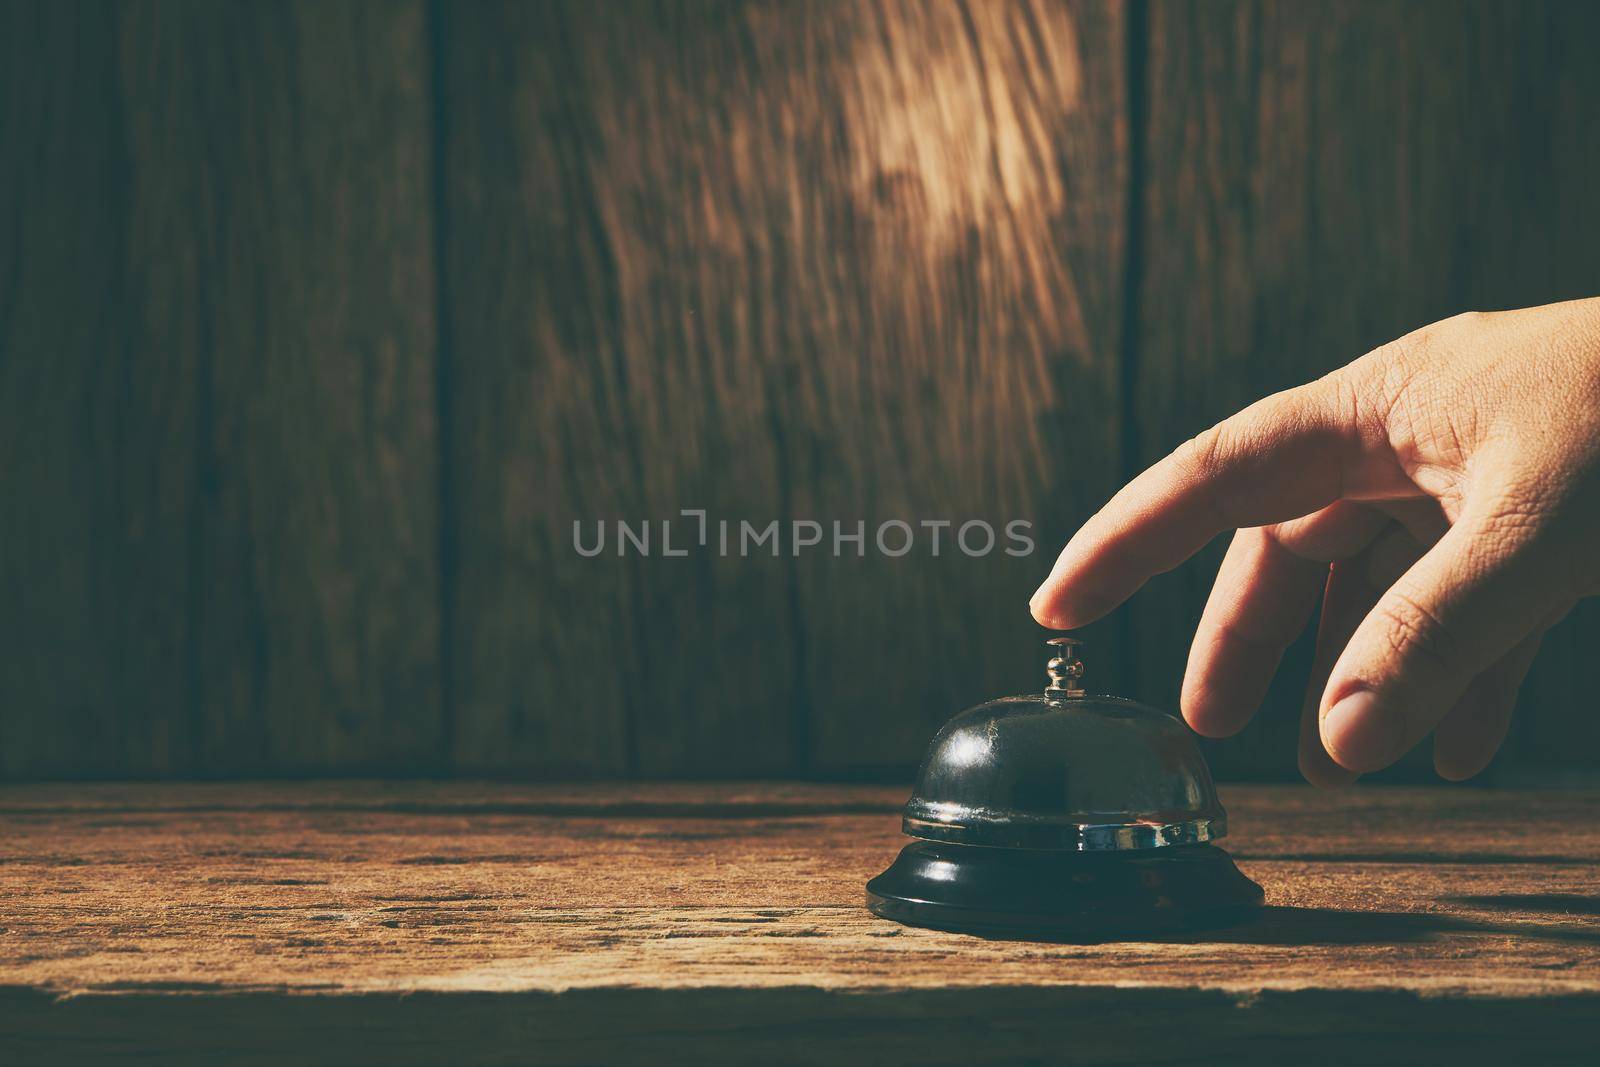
point(321, 322)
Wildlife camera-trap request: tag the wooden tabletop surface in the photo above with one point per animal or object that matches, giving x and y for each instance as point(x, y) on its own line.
point(434, 922)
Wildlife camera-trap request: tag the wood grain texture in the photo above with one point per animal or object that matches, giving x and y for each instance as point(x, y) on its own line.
point(281, 201)
point(1321, 179)
point(610, 200)
point(395, 923)
point(219, 380)
point(97, 427)
point(962, 332)
point(780, 262)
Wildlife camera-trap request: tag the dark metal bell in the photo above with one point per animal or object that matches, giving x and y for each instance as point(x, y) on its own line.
point(1064, 815)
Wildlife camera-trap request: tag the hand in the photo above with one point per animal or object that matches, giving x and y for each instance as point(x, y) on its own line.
point(1443, 492)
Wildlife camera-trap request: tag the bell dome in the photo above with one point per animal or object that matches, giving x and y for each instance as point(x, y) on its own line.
point(1065, 770)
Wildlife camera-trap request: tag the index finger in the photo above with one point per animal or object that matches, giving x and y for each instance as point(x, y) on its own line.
point(1280, 458)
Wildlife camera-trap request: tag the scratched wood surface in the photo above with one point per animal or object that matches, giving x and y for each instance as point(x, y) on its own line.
point(585, 923)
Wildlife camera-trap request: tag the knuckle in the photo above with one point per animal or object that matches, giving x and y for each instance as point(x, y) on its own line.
point(1416, 634)
point(1205, 451)
point(1514, 517)
point(1447, 331)
point(1510, 524)
point(1434, 336)
point(1388, 390)
point(1376, 389)
point(1414, 346)
point(1360, 397)
point(1209, 455)
point(1403, 360)
point(1468, 320)
point(1346, 395)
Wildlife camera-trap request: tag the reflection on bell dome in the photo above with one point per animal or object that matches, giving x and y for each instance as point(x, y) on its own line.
point(1084, 773)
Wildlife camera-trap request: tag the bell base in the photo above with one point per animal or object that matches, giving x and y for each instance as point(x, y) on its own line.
point(1034, 894)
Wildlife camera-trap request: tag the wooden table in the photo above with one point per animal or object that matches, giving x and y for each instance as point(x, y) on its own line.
point(454, 923)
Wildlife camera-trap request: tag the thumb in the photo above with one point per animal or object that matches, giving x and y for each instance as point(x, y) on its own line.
point(1483, 588)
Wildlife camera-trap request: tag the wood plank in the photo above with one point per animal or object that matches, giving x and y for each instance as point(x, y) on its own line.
point(782, 263)
point(279, 219)
point(1322, 179)
point(1400, 920)
point(218, 391)
point(701, 800)
point(97, 425)
point(960, 326)
point(612, 189)
point(1375, 824)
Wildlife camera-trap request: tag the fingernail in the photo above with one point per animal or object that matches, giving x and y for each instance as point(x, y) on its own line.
point(1360, 733)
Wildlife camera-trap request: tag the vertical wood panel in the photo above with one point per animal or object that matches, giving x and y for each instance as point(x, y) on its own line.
point(1322, 179)
point(778, 261)
point(279, 208)
point(783, 262)
point(220, 375)
point(96, 429)
point(960, 331)
point(615, 197)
